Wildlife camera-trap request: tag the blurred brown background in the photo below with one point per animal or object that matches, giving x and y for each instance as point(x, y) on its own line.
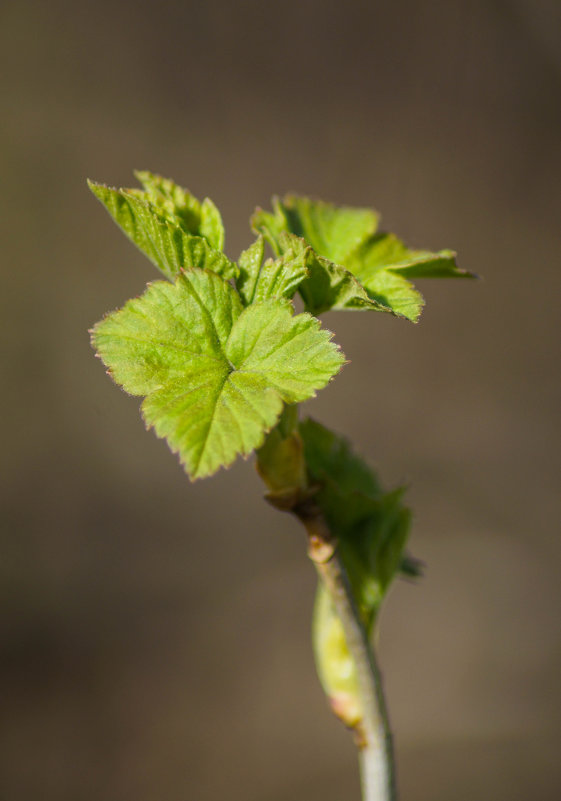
point(155, 634)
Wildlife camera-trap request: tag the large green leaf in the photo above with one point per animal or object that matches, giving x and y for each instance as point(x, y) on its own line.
point(168, 225)
point(355, 267)
point(215, 375)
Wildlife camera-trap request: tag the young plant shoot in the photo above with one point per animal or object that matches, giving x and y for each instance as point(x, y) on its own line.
point(215, 350)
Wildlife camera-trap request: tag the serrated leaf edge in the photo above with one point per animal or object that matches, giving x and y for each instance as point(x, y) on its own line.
point(328, 335)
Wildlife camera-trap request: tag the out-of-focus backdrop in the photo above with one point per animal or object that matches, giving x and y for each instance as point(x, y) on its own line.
point(155, 634)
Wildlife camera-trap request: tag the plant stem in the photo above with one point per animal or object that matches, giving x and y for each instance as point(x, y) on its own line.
point(282, 466)
point(373, 735)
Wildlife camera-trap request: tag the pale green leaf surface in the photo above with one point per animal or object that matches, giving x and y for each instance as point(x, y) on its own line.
point(322, 284)
point(383, 263)
point(215, 375)
point(327, 285)
point(344, 242)
point(396, 293)
point(331, 286)
point(271, 225)
point(423, 264)
point(333, 231)
point(280, 278)
point(211, 228)
point(249, 265)
point(294, 354)
point(179, 206)
point(170, 235)
point(385, 251)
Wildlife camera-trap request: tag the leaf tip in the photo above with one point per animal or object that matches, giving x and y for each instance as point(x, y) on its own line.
point(94, 186)
point(253, 220)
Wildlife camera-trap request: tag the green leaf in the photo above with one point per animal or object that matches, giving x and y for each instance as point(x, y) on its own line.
point(423, 264)
point(271, 225)
point(383, 263)
point(280, 461)
point(396, 294)
point(168, 225)
point(211, 227)
point(330, 456)
point(330, 286)
point(182, 208)
point(332, 231)
point(353, 266)
point(322, 284)
point(215, 375)
point(371, 529)
point(370, 524)
point(173, 202)
point(273, 279)
point(249, 264)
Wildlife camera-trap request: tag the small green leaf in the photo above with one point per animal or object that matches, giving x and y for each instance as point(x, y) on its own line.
point(383, 263)
point(396, 294)
point(249, 264)
point(371, 525)
point(353, 266)
point(271, 225)
point(211, 227)
point(272, 279)
point(280, 461)
point(330, 456)
point(215, 375)
point(169, 225)
point(328, 285)
point(173, 202)
point(371, 529)
point(331, 286)
point(323, 285)
point(332, 231)
point(182, 208)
